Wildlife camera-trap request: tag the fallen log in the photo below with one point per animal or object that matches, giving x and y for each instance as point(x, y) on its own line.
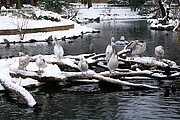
point(74, 77)
point(147, 61)
point(143, 73)
point(115, 81)
point(17, 89)
point(34, 75)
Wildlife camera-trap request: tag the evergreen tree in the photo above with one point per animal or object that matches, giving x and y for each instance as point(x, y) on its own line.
point(135, 4)
point(54, 5)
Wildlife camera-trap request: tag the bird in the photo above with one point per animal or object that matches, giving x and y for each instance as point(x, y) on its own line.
point(41, 63)
point(49, 39)
point(120, 44)
point(23, 62)
point(136, 47)
point(83, 65)
point(109, 49)
point(121, 41)
point(159, 51)
point(113, 61)
point(58, 49)
point(32, 40)
point(7, 43)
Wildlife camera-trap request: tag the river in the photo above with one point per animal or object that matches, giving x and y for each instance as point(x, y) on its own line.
point(89, 101)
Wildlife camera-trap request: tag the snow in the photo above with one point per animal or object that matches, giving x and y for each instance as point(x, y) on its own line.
point(43, 35)
point(8, 82)
point(50, 71)
point(10, 22)
point(11, 64)
point(154, 24)
point(107, 13)
point(150, 61)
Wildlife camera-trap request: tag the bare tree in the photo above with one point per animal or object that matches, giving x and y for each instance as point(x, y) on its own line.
point(21, 25)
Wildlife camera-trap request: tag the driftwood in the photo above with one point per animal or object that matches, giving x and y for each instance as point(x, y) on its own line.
point(75, 76)
point(17, 89)
point(152, 68)
point(66, 72)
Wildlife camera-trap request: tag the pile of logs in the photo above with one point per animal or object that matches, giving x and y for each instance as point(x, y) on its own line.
point(130, 67)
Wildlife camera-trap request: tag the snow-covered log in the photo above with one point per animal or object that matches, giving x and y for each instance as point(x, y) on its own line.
point(17, 89)
point(148, 61)
point(75, 77)
point(116, 81)
point(143, 73)
point(44, 77)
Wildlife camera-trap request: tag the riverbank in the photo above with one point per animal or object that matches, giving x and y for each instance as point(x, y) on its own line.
point(105, 12)
point(10, 22)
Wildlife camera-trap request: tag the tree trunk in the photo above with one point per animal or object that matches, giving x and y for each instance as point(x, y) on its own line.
point(18, 4)
point(89, 3)
point(163, 13)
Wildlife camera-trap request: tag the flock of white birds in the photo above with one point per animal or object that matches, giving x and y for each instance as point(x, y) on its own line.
point(136, 48)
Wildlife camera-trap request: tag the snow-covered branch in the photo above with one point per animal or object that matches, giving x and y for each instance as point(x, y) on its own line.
point(17, 89)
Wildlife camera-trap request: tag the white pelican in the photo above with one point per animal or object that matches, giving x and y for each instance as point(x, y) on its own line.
point(113, 61)
point(41, 63)
point(121, 41)
point(159, 52)
point(23, 62)
point(137, 47)
point(109, 49)
point(83, 65)
point(120, 44)
point(58, 49)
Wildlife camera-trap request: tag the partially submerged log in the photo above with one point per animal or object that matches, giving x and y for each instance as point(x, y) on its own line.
point(17, 89)
point(71, 62)
point(66, 72)
point(75, 76)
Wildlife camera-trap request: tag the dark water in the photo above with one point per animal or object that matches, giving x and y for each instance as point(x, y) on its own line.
point(89, 101)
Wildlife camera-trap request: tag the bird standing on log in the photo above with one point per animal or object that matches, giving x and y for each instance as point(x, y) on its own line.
point(159, 52)
point(23, 62)
point(41, 63)
point(113, 61)
point(83, 65)
point(58, 49)
point(109, 49)
point(137, 47)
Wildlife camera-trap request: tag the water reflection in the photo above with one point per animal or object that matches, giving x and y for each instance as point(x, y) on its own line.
point(131, 29)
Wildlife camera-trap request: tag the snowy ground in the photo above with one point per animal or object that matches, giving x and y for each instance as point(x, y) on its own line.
point(98, 10)
point(104, 12)
point(7, 23)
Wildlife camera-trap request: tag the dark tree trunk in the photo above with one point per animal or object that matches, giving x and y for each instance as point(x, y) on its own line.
point(89, 3)
point(163, 12)
point(18, 4)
